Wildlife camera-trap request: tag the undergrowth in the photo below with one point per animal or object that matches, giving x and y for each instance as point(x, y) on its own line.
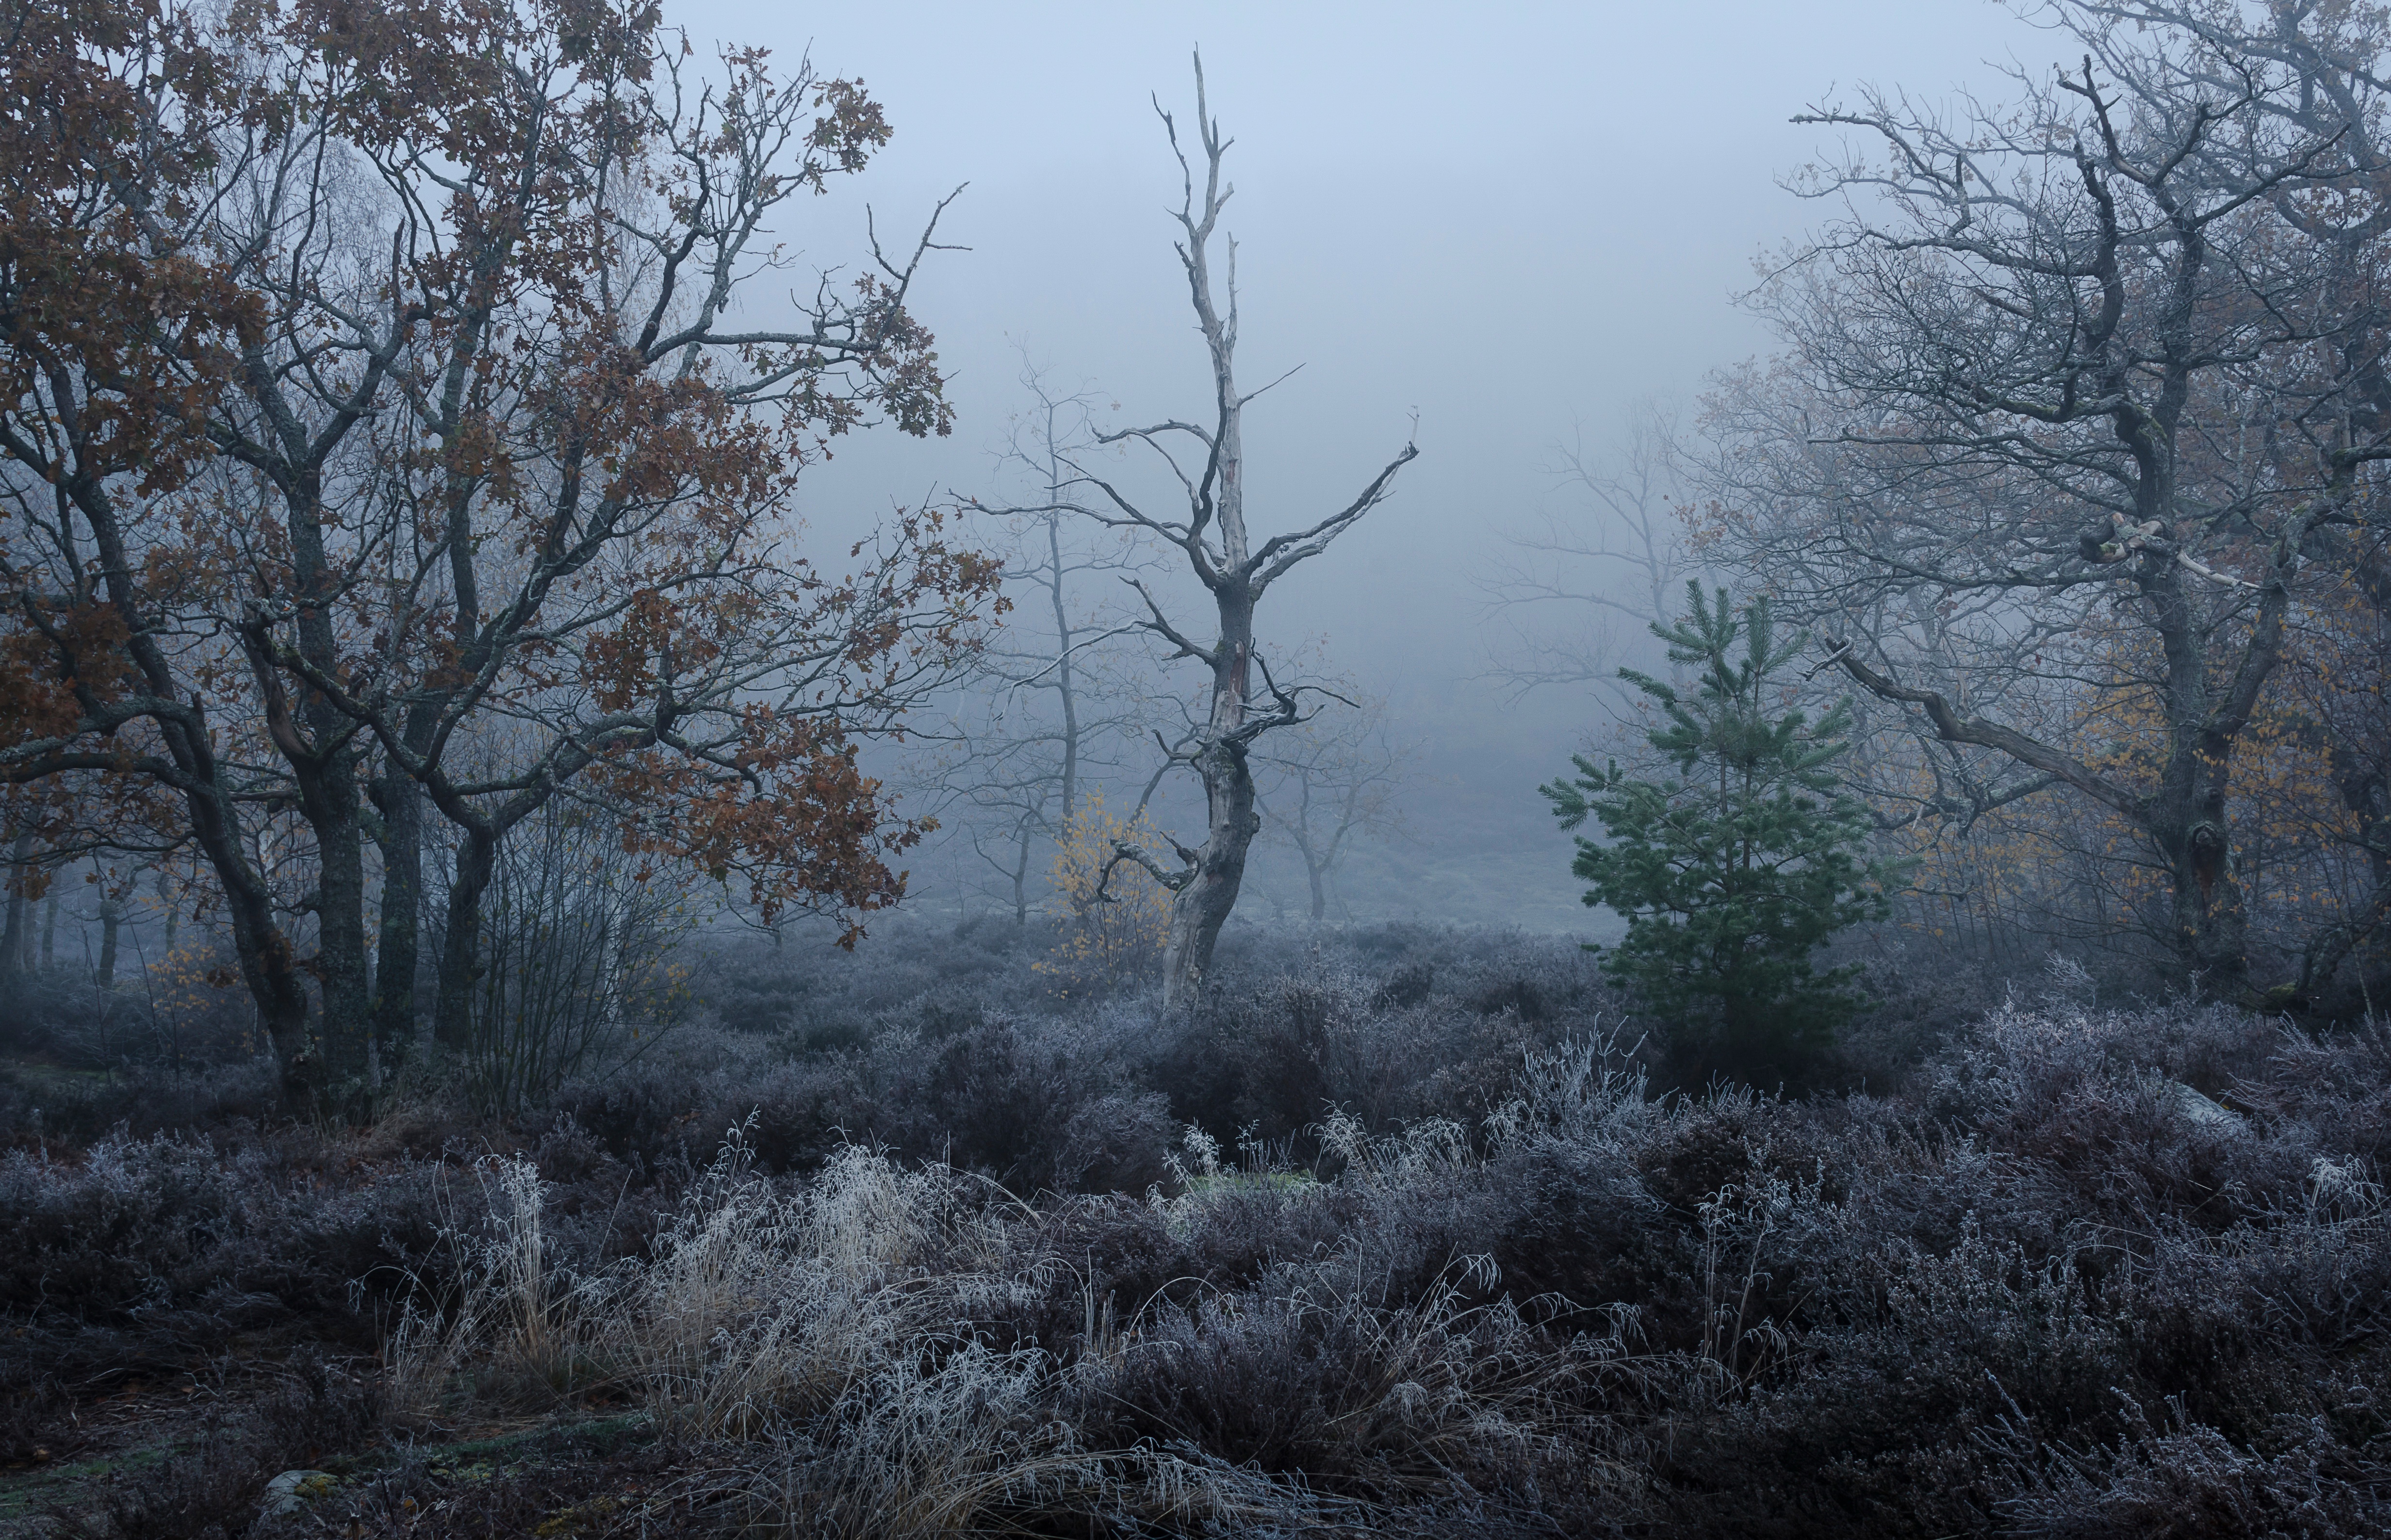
point(1419, 1244)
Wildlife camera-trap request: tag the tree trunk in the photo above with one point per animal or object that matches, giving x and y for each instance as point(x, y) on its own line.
point(13, 940)
point(326, 770)
point(398, 952)
point(1021, 876)
point(111, 916)
point(2209, 919)
point(460, 954)
point(1209, 892)
point(271, 969)
point(347, 1021)
point(1202, 906)
point(1065, 686)
point(327, 797)
point(2361, 786)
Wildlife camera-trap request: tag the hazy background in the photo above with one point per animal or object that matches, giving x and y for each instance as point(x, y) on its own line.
point(1512, 220)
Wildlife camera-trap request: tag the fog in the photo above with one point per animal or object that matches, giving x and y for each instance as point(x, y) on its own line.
point(545, 994)
point(1512, 222)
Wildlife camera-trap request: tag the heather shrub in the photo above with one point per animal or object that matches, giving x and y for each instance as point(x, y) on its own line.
point(673, 1104)
point(2336, 1085)
point(1913, 1003)
point(2180, 1481)
point(1396, 1231)
point(1388, 1400)
point(1036, 1103)
point(1273, 1055)
point(136, 1098)
point(167, 1224)
point(61, 1018)
point(823, 998)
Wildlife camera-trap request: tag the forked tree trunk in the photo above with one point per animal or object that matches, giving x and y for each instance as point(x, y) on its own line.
point(461, 946)
point(1208, 893)
point(1203, 906)
point(1214, 538)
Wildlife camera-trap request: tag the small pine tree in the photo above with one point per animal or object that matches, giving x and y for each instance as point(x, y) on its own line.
point(1731, 875)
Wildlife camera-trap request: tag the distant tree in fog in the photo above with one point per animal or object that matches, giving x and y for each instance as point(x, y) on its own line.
point(1560, 593)
point(1049, 710)
point(1244, 700)
point(1324, 782)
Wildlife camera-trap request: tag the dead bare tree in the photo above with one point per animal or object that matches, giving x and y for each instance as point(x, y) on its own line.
point(1236, 572)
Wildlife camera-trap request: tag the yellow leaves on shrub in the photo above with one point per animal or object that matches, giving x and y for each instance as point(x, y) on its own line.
point(1114, 938)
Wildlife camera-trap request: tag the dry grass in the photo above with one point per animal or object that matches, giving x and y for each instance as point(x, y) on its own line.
point(507, 1326)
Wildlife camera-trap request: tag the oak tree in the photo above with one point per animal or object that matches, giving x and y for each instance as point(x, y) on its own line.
point(409, 443)
point(2079, 392)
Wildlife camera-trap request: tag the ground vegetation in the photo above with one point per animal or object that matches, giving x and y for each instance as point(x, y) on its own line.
point(1399, 1231)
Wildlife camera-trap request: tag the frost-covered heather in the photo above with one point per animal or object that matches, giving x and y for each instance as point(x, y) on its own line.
point(2073, 1270)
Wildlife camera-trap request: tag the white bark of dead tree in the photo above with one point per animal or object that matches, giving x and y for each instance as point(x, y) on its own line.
point(1220, 554)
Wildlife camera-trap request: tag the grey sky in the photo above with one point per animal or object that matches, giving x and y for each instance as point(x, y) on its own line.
point(1512, 219)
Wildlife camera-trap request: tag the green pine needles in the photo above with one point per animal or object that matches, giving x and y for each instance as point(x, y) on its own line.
point(1730, 874)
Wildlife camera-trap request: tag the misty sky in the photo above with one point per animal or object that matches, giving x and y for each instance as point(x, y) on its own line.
point(1512, 220)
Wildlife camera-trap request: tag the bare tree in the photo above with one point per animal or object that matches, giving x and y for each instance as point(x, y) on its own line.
point(2078, 390)
point(1050, 709)
point(1234, 572)
point(1622, 556)
point(1328, 781)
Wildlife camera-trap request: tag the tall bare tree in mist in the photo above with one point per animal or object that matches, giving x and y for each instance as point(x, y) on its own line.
point(1235, 572)
point(2081, 421)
